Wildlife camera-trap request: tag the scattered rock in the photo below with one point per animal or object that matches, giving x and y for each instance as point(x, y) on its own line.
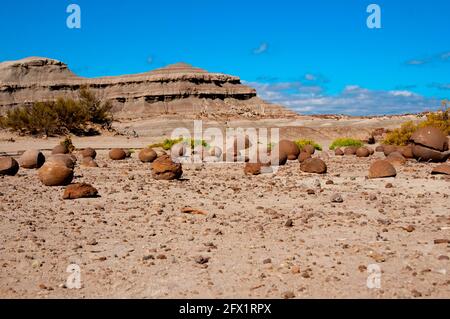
point(288, 295)
point(79, 190)
point(350, 150)
point(430, 144)
point(308, 148)
point(303, 156)
point(409, 228)
point(60, 149)
point(8, 166)
point(88, 162)
point(337, 198)
point(256, 168)
point(63, 159)
point(32, 159)
point(362, 152)
point(117, 154)
point(382, 169)
point(193, 211)
point(55, 174)
point(379, 149)
point(406, 151)
point(338, 152)
point(201, 260)
point(147, 155)
point(389, 185)
point(441, 169)
point(289, 148)
point(314, 165)
point(163, 168)
point(388, 149)
point(89, 152)
point(267, 261)
point(396, 159)
point(289, 223)
point(178, 150)
point(441, 241)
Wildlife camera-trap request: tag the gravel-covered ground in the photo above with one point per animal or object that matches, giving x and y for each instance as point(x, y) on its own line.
point(267, 236)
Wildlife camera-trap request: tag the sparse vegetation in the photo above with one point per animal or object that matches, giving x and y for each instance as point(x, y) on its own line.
point(168, 143)
point(345, 142)
point(402, 135)
point(68, 145)
point(65, 115)
point(301, 143)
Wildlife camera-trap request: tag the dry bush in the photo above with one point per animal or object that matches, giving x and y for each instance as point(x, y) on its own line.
point(63, 116)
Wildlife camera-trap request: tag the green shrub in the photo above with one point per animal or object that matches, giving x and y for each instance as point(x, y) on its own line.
point(168, 143)
point(303, 142)
point(401, 136)
point(62, 116)
point(344, 142)
point(439, 119)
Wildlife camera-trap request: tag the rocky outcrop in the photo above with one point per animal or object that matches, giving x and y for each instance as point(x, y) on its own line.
point(177, 88)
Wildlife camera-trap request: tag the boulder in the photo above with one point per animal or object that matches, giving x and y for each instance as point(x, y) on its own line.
point(388, 149)
point(430, 145)
point(314, 165)
point(88, 162)
point(309, 149)
point(279, 159)
point(256, 168)
point(425, 154)
point(350, 150)
point(64, 159)
point(406, 151)
point(178, 150)
point(55, 174)
point(8, 166)
point(431, 137)
point(147, 155)
point(396, 159)
point(32, 159)
point(362, 152)
point(163, 168)
point(79, 190)
point(60, 149)
point(379, 149)
point(338, 152)
point(117, 154)
point(441, 169)
point(382, 169)
point(89, 152)
point(289, 148)
point(303, 156)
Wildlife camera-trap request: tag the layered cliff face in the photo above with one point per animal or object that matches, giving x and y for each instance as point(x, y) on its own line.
point(178, 88)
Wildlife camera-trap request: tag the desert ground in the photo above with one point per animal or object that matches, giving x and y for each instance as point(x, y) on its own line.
point(267, 236)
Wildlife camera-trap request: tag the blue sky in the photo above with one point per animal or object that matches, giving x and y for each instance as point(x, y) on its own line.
point(314, 56)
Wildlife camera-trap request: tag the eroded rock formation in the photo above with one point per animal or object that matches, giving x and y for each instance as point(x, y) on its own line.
point(177, 88)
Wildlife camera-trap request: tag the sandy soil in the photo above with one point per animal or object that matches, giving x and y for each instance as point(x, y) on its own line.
point(134, 241)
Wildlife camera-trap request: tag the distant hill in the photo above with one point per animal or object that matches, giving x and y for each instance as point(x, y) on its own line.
point(179, 88)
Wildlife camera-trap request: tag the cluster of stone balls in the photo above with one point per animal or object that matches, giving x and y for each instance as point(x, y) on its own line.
point(55, 170)
point(428, 144)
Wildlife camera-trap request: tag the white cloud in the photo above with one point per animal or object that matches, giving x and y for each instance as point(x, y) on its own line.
point(263, 47)
point(353, 100)
point(401, 93)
